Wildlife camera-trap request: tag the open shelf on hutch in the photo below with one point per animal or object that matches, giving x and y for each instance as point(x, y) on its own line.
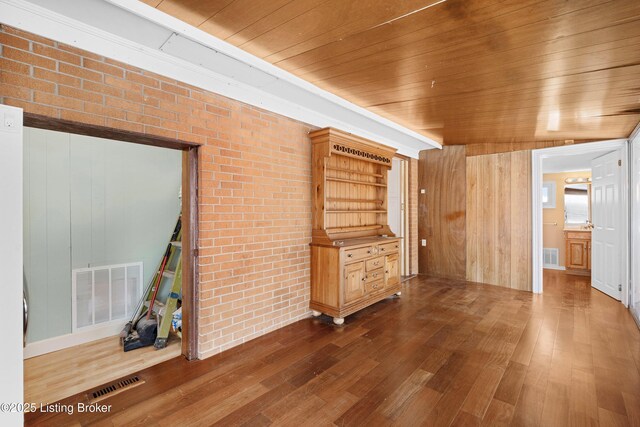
point(350, 181)
point(355, 256)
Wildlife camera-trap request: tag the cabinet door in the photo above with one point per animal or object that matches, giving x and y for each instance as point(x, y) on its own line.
point(577, 254)
point(391, 270)
point(354, 282)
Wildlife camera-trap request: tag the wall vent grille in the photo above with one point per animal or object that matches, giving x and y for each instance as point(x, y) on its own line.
point(551, 256)
point(104, 294)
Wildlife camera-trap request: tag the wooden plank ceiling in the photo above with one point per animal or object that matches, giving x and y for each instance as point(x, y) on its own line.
point(459, 71)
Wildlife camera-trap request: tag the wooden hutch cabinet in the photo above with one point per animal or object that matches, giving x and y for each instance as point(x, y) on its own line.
point(355, 258)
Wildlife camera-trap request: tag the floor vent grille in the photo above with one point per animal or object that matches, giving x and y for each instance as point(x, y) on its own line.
point(114, 388)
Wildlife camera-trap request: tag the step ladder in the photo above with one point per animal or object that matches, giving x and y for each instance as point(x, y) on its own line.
point(165, 310)
point(169, 268)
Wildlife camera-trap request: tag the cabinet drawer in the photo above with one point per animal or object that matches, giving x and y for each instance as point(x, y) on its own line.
point(375, 263)
point(388, 248)
point(357, 254)
point(579, 235)
point(373, 287)
point(374, 275)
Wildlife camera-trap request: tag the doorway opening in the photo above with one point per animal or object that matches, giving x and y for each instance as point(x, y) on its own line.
point(398, 208)
point(100, 211)
point(580, 215)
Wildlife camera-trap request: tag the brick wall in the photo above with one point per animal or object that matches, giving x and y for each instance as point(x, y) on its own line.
point(254, 182)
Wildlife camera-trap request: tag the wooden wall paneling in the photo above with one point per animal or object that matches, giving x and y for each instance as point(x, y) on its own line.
point(503, 227)
point(499, 219)
point(423, 212)
point(413, 216)
point(521, 267)
point(487, 222)
point(441, 218)
point(473, 204)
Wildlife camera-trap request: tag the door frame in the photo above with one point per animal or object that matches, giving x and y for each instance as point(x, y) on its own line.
point(537, 159)
point(11, 217)
point(634, 234)
point(190, 282)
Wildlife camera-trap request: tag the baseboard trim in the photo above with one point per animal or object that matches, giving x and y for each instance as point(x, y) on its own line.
point(69, 340)
point(636, 316)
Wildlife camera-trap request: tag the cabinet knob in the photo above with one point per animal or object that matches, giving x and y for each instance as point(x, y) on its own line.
point(349, 255)
point(369, 251)
point(381, 249)
point(387, 271)
point(397, 246)
point(363, 279)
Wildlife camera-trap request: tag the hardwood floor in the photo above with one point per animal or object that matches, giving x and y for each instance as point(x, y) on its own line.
point(54, 376)
point(445, 353)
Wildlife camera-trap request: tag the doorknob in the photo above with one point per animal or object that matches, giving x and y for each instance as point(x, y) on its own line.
point(25, 309)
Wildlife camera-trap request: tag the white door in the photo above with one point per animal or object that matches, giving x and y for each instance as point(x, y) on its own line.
point(606, 216)
point(11, 390)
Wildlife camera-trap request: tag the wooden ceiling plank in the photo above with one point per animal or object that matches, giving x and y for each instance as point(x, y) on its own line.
point(239, 15)
point(486, 32)
point(459, 12)
point(414, 91)
point(277, 18)
point(373, 41)
point(334, 20)
point(462, 72)
point(193, 12)
point(527, 68)
point(577, 108)
point(586, 90)
point(380, 66)
point(152, 3)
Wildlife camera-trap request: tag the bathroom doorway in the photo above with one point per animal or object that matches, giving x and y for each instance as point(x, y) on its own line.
point(580, 216)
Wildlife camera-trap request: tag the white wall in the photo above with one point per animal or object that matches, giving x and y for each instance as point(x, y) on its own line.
point(11, 368)
point(90, 202)
point(394, 200)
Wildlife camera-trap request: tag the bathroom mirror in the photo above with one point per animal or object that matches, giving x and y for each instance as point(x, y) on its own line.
point(577, 204)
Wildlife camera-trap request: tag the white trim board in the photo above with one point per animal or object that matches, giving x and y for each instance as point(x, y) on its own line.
point(11, 250)
point(110, 329)
point(278, 91)
point(537, 158)
point(634, 230)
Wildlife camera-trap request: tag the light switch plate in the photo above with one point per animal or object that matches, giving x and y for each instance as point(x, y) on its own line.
point(423, 242)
